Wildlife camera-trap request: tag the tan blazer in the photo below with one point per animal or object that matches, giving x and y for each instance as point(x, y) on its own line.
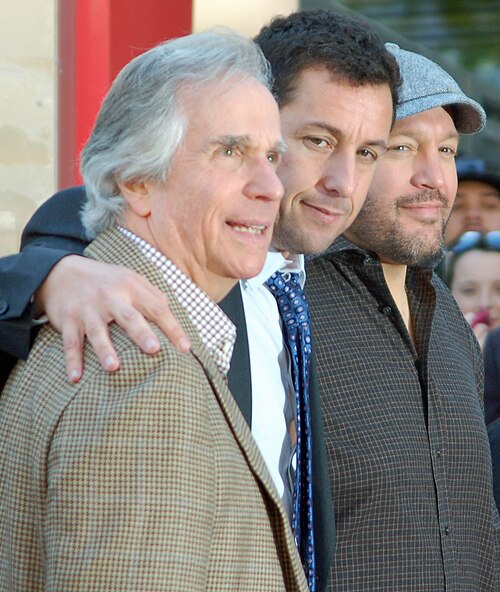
point(146, 479)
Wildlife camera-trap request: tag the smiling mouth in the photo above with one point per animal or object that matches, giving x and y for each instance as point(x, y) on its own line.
point(325, 211)
point(254, 229)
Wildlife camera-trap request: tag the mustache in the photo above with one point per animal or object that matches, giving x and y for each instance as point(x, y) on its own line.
point(424, 196)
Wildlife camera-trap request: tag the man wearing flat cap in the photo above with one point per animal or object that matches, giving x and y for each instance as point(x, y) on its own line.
point(400, 369)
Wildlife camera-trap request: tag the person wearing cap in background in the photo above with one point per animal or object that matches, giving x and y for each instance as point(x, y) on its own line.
point(477, 205)
point(400, 369)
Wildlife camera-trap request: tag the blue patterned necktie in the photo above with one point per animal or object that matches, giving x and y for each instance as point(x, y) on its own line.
point(294, 311)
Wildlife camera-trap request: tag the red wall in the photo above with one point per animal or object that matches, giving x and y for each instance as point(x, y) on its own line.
point(96, 39)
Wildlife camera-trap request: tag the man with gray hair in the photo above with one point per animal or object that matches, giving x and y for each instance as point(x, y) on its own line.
point(336, 85)
point(400, 370)
point(150, 479)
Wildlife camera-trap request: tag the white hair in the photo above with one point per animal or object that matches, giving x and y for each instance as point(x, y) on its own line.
point(141, 125)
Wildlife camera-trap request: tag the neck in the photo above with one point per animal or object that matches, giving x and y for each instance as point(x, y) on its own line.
point(214, 285)
point(395, 277)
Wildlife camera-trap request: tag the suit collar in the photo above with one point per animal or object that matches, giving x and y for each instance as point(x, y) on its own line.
point(112, 246)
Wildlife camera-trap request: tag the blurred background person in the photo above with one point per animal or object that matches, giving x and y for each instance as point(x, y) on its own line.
point(477, 205)
point(473, 276)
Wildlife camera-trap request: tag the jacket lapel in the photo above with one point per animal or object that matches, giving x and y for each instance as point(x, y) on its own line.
point(113, 247)
point(239, 377)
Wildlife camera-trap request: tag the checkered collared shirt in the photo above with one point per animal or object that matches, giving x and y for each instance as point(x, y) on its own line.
point(409, 460)
point(217, 332)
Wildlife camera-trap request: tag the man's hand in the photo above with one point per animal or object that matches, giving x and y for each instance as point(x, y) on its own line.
point(81, 297)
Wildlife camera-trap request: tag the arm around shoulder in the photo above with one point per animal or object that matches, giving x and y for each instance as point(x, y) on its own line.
point(53, 232)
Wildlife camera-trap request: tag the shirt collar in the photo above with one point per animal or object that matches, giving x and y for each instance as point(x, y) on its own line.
point(342, 244)
point(276, 262)
point(216, 330)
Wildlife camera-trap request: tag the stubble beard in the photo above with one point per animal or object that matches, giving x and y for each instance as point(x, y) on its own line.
point(388, 237)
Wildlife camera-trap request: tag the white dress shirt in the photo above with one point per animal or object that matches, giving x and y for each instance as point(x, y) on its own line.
point(273, 395)
point(216, 330)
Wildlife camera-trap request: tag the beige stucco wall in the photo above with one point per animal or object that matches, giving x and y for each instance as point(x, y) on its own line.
point(27, 113)
point(245, 16)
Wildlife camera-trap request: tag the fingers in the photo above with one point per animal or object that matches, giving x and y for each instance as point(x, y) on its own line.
point(75, 327)
point(155, 307)
point(82, 297)
point(73, 346)
point(144, 302)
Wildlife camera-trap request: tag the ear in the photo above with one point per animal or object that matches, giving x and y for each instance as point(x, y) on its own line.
point(137, 194)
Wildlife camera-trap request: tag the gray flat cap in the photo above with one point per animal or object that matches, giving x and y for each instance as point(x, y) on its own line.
point(426, 85)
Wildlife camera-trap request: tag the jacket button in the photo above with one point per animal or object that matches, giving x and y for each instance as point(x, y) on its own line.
point(4, 307)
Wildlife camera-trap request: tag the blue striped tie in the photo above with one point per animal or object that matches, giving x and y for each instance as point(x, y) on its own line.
point(294, 310)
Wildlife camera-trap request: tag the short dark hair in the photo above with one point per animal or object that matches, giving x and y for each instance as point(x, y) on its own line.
point(345, 46)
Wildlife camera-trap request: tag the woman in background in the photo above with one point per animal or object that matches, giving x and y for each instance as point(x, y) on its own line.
point(473, 276)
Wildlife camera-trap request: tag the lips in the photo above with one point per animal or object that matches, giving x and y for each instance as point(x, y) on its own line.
point(424, 209)
point(478, 227)
point(253, 229)
point(432, 205)
point(326, 211)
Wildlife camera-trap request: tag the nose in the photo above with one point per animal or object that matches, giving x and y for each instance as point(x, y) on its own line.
point(264, 182)
point(485, 298)
point(473, 214)
point(339, 175)
point(429, 173)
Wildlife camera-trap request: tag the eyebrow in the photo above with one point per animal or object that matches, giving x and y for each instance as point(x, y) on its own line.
point(337, 132)
point(246, 141)
point(452, 136)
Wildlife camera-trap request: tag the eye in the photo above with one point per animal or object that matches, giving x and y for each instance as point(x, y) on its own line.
point(468, 291)
point(229, 151)
point(449, 150)
point(318, 142)
point(493, 205)
point(273, 157)
point(368, 154)
point(398, 148)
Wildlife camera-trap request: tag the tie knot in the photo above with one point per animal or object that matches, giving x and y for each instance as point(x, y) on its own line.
point(290, 298)
point(280, 282)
